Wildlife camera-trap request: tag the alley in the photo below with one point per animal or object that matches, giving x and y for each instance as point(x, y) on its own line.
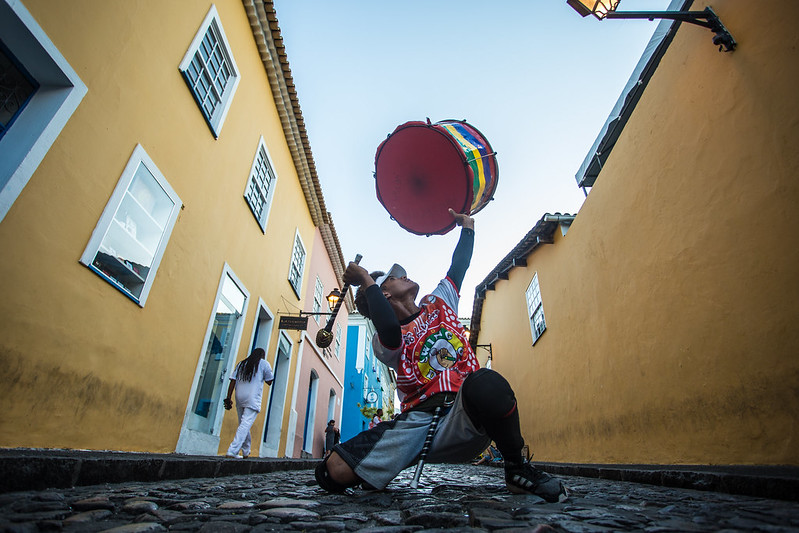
point(450, 498)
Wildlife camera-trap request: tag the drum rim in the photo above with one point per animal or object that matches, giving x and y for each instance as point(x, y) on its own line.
point(454, 143)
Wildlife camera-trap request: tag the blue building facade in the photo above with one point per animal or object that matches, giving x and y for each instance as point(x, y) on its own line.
point(367, 381)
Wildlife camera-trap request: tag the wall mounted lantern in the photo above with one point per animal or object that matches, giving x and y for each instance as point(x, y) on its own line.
point(333, 297)
point(603, 9)
point(487, 347)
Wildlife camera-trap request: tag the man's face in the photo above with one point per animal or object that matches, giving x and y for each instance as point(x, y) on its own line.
point(399, 288)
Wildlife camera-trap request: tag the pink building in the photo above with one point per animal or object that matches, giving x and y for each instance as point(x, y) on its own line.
point(317, 393)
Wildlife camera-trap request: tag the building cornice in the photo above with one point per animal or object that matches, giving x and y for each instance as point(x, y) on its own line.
point(265, 30)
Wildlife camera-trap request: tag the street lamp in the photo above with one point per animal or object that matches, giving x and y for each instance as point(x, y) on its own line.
point(333, 297)
point(603, 9)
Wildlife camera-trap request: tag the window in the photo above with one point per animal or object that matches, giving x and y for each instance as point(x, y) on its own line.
point(535, 309)
point(261, 185)
point(318, 296)
point(210, 71)
point(46, 91)
point(129, 240)
point(337, 342)
point(297, 265)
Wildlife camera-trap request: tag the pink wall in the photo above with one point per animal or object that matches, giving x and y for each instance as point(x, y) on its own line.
point(327, 367)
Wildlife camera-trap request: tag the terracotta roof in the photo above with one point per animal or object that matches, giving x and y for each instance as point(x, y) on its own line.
point(542, 233)
point(266, 31)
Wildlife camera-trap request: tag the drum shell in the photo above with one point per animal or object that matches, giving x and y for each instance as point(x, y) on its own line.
point(422, 169)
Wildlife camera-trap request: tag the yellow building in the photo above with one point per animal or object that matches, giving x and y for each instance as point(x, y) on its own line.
point(661, 328)
point(158, 203)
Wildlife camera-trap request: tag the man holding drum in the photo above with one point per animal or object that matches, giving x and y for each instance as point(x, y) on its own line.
point(437, 372)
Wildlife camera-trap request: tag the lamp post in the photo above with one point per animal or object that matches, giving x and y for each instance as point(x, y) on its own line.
point(603, 9)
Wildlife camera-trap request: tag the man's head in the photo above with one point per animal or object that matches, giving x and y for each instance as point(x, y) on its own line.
point(394, 284)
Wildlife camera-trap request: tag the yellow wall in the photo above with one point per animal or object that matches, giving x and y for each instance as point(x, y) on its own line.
point(84, 366)
point(672, 303)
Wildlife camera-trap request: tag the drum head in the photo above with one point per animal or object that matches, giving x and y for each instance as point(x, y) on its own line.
point(420, 173)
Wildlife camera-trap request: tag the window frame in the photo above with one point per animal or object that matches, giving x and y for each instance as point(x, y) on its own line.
point(212, 23)
point(318, 296)
point(138, 157)
point(535, 308)
point(266, 207)
point(296, 285)
point(49, 109)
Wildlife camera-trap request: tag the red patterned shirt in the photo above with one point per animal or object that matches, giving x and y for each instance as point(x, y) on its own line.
point(435, 355)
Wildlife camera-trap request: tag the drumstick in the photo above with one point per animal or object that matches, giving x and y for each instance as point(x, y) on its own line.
point(324, 337)
point(426, 448)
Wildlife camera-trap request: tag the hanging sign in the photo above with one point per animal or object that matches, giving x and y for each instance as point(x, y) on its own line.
point(293, 322)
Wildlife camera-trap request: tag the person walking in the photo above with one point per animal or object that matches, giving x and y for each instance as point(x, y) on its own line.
point(248, 381)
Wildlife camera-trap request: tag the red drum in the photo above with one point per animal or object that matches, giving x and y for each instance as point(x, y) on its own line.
point(423, 169)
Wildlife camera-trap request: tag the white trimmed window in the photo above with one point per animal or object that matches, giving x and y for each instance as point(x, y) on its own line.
point(129, 240)
point(337, 342)
point(318, 296)
point(39, 91)
point(535, 309)
point(297, 267)
point(261, 185)
point(210, 71)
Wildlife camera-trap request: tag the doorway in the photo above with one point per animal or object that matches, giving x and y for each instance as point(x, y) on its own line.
point(203, 419)
point(273, 424)
point(262, 329)
point(331, 407)
point(310, 414)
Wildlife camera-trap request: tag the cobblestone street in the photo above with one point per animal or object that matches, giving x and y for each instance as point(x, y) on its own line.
point(450, 498)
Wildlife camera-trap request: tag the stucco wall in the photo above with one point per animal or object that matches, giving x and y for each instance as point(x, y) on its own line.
point(672, 303)
point(85, 366)
point(328, 368)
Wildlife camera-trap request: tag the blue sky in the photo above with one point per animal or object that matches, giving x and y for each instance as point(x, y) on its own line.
point(533, 76)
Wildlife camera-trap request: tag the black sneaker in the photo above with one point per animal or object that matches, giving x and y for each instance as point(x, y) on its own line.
point(524, 478)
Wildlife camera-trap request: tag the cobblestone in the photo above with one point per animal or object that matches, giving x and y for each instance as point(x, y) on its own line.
point(459, 498)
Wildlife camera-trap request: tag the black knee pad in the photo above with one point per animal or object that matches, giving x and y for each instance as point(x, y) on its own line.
point(324, 479)
point(487, 396)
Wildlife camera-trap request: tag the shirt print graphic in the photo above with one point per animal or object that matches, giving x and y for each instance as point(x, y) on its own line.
point(439, 351)
point(435, 343)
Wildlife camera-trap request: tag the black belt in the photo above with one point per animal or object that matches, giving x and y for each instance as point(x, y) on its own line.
point(442, 399)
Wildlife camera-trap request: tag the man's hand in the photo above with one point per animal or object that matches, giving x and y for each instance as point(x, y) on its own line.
point(357, 276)
point(228, 403)
point(462, 220)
